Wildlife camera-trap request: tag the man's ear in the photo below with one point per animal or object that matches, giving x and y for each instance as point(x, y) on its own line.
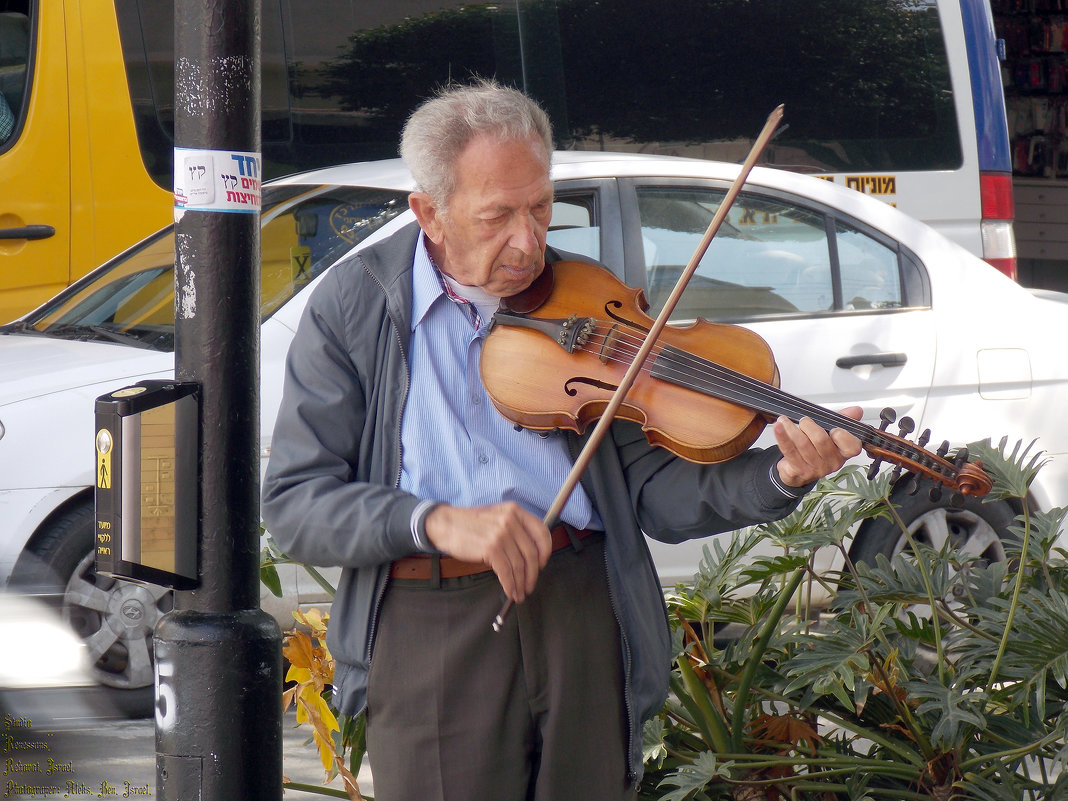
point(427, 213)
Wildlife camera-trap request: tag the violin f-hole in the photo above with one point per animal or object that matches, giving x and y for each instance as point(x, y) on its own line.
point(570, 389)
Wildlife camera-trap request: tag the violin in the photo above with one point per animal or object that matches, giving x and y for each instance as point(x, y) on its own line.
point(556, 353)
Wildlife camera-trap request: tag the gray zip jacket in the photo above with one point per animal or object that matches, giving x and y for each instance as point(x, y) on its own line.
point(331, 496)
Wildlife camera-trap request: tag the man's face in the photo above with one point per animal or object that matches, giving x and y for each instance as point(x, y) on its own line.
point(492, 235)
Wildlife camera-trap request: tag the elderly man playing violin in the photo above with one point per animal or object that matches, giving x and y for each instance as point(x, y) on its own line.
point(389, 461)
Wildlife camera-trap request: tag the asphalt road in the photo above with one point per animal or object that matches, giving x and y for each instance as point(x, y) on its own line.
point(117, 758)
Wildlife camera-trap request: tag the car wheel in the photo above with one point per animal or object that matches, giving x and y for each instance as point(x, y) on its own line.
point(114, 618)
point(975, 527)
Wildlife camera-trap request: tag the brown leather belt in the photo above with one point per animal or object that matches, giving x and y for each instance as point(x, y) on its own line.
point(420, 566)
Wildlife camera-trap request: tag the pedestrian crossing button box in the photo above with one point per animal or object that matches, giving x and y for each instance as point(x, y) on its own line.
point(147, 488)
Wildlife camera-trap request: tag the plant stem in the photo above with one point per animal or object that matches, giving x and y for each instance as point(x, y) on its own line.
point(1020, 570)
point(315, 788)
point(708, 721)
point(852, 726)
point(756, 656)
point(921, 565)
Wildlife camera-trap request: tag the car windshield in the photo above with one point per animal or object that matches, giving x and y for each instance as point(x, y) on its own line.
point(130, 300)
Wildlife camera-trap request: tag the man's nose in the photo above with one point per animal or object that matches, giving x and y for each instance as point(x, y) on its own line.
point(524, 235)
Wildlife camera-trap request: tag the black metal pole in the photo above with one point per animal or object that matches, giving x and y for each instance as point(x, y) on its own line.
point(218, 656)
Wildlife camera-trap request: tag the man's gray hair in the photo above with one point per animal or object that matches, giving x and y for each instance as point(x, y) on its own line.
point(438, 131)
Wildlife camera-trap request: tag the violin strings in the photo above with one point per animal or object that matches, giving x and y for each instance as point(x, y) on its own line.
point(684, 366)
point(681, 367)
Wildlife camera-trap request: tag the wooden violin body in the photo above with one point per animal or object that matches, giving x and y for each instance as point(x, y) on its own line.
point(557, 353)
point(533, 381)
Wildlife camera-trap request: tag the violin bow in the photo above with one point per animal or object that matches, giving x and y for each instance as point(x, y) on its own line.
point(601, 429)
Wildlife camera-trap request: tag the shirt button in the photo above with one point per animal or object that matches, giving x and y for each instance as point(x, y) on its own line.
point(482, 458)
point(476, 399)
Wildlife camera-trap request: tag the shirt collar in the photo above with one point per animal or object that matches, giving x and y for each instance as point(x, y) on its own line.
point(426, 283)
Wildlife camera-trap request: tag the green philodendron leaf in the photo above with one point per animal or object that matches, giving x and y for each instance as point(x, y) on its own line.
point(915, 628)
point(956, 710)
point(900, 580)
point(857, 786)
point(984, 582)
point(829, 663)
point(770, 568)
point(1000, 786)
point(690, 778)
point(720, 567)
point(653, 748)
point(1036, 659)
point(828, 514)
point(270, 579)
point(1045, 527)
point(1010, 471)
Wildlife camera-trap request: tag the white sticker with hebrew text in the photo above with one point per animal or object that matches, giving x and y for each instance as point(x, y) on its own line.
point(216, 180)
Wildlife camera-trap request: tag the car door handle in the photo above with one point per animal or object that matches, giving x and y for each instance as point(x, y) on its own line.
point(882, 359)
point(28, 232)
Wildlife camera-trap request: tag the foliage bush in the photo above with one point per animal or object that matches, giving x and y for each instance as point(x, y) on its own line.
point(932, 675)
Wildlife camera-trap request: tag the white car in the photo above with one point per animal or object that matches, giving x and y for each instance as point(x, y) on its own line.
point(859, 303)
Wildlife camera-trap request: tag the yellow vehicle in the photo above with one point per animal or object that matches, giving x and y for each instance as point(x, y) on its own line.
point(74, 191)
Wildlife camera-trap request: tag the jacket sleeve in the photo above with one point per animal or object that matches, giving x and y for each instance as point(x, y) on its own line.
point(677, 500)
point(319, 500)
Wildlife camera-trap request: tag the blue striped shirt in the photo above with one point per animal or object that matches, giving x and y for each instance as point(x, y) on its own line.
point(456, 447)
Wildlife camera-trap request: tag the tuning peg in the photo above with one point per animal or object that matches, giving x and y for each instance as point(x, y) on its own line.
point(888, 416)
point(895, 475)
point(961, 458)
point(906, 426)
point(911, 484)
point(874, 469)
point(936, 493)
point(943, 449)
point(924, 437)
point(956, 500)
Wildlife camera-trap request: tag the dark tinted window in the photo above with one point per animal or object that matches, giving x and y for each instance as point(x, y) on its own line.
point(865, 82)
point(16, 39)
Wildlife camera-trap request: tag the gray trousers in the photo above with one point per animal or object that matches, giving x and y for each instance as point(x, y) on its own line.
point(535, 712)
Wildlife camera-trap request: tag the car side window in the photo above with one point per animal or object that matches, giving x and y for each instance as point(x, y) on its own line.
point(769, 257)
point(305, 230)
point(574, 226)
point(870, 274)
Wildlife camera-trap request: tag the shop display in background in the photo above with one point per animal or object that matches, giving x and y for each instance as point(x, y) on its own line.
point(1035, 76)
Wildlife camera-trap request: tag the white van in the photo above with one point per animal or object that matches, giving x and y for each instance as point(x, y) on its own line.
point(900, 99)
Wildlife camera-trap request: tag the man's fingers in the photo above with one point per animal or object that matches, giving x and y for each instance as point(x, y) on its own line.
point(520, 562)
point(847, 444)
point(810, 452)
point(512, 542)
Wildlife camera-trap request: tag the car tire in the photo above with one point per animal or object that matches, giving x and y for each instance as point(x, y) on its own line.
point(972, 526)
point(114, 618)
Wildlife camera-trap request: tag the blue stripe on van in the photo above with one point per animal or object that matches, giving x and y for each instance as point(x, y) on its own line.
point(988, 97)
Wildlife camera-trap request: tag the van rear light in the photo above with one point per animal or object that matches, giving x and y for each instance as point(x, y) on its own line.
point(999, 209)
point(999, 245)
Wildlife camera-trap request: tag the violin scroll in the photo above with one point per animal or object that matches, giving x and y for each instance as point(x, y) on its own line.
point(960, 475)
